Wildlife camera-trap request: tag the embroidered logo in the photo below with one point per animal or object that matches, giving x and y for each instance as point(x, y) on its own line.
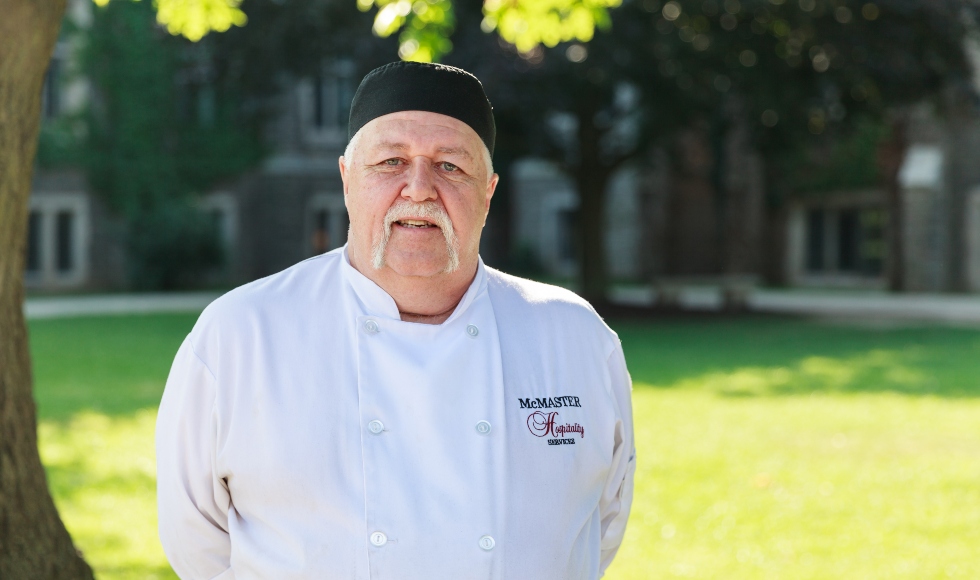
point(547, 425)
point(549, 402)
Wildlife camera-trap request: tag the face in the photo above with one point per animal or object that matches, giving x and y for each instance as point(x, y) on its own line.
point(417, 190)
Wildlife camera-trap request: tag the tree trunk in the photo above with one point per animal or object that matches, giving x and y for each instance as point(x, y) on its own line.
point(655, 198)
point(591, 178)
point(693, 248)
point(739, 183)
point(890, 158)
point(33, 542)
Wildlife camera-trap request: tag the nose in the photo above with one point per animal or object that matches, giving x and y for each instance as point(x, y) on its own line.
point(421, 184)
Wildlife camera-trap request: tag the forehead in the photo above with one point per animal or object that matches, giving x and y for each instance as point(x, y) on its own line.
point(421, 130)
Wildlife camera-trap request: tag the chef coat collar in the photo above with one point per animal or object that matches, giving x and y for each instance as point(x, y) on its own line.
point(377, 302)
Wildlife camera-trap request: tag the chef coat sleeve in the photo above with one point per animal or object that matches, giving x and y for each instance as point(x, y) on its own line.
point(192, 503)
point(614, 507)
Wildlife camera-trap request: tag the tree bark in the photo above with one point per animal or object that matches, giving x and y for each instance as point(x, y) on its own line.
point(591, 178)
point(693, 243)
point(33, 541)
point(890, 158)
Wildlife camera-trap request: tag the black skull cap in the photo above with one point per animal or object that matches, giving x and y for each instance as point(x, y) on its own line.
point(422, 86)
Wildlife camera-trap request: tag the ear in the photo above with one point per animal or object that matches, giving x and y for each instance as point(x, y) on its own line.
point(491, 188)
point(343, 173)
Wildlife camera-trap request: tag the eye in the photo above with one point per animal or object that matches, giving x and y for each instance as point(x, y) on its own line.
point(448, 166)
point(392, 161)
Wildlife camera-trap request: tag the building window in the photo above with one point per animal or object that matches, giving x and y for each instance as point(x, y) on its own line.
point(320, 241)
point(815, 240)
point(34, 243)
point(51, 93)
point(873, 224)
point(206, 106)
point(319, 115)
point(326, 223)
point(221, 210)
point(57, 240)
point(64, 241)
point(331, 99)
point(567, 235)
point(846, 241)
point(329, 230)
point(219, 223)
point(849, 241)
point(196, 102)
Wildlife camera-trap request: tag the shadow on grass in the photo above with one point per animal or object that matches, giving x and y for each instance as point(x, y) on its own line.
point(767, 356)
point(118, 365)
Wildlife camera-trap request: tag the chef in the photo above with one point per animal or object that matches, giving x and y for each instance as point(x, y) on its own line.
point(394, 409)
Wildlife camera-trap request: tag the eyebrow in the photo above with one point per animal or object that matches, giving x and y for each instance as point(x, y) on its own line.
point(456, 151)
point(391, 145)
point(447, 150)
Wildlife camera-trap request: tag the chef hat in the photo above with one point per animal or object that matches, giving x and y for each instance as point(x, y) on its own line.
point(419, 86)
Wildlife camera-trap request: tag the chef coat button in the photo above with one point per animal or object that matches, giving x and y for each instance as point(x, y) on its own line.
point(371, 327)
point(380, 539)
point(483, 427)
point(376, 427)
point(472, 330)
point(487, 543)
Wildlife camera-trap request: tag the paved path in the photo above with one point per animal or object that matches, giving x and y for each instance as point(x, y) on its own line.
point(66, 306)
point(955, 309)
point(949, 309)
point(854, 305)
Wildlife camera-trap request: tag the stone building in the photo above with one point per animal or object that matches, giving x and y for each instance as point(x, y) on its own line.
point(660, 222)
point(840, 239)
point(286, 210)
point(544, 220)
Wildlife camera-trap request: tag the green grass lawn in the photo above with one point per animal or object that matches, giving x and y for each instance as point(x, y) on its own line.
point(767, 448)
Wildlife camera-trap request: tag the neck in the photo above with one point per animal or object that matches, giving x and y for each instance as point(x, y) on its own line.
point(421, 299)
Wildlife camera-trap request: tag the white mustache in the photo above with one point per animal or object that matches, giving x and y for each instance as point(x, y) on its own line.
point(426, 210)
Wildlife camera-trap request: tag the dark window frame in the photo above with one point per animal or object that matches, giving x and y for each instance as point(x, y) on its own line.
point(35, 237)
point(66, 222)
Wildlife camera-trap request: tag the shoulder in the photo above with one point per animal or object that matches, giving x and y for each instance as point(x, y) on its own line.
point(299, 282)
point(534, 293)
point(278, 297)
point(552, 307)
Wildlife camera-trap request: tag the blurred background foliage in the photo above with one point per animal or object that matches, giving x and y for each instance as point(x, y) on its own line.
point(150, 148)
point(426, 26)
point(811, 85)
point(848, 161)
point(549, 22)
point(195, 18)
point(803, 429)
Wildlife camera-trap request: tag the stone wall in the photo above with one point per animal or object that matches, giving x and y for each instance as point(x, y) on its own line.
point(972, 240)
point(544, 206)
point(925, 219)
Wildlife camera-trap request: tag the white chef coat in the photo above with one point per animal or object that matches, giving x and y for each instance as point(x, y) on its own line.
point(307, 432)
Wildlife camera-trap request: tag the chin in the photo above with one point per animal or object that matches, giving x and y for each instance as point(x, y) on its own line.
point(417, 264)
point(417, 270)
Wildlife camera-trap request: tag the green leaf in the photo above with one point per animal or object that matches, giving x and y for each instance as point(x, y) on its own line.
point(529, 23)
point(425, 26)
point(193, 19)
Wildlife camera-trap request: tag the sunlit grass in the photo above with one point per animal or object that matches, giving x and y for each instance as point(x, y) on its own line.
point(102, 472)
point(766, 448)
point(822, 487)
point(98, 382)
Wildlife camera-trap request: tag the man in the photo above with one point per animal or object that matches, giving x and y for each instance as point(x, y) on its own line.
point(394, 409)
